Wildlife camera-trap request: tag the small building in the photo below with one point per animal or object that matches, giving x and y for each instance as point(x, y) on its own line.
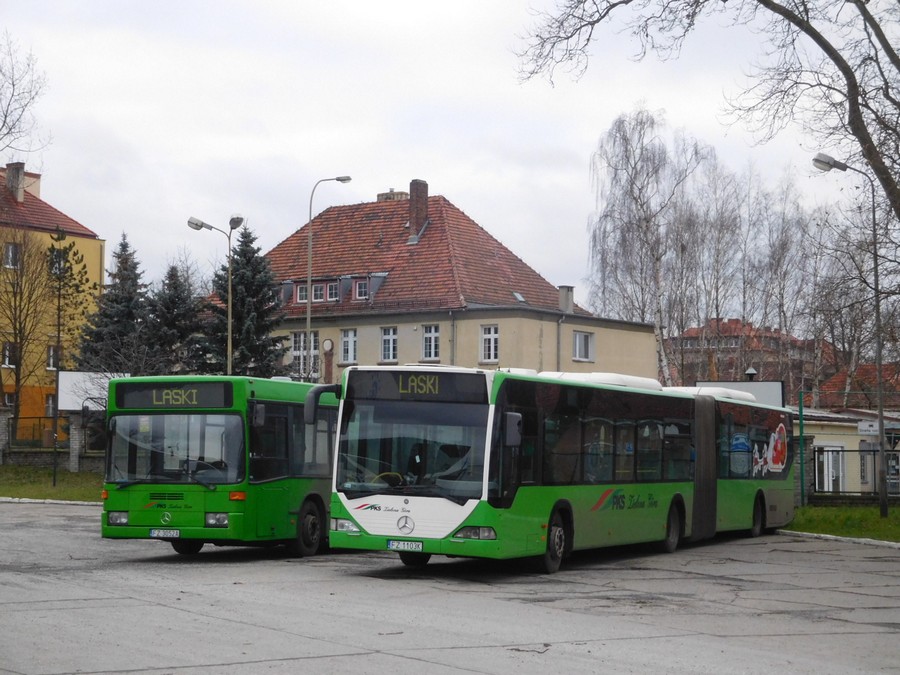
point(410, 278)
point(30, 228)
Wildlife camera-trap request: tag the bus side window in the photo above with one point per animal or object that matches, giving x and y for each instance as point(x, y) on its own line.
point(269, 445)
point(598, 451)
point(562, 449)
point(624, 461)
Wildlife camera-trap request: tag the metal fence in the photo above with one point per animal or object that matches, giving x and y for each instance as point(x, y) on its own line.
point(842, 471)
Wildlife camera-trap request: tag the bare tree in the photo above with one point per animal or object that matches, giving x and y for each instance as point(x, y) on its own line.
point(638, 177)
point(21, 85)
point(830, 66)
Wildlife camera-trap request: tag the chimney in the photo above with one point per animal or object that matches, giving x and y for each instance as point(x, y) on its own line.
point(418, 209)
point(15, 180)
point(567, 299)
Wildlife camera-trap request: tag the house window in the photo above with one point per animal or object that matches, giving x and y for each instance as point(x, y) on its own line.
point(305, 365)
point(431, 342)
point(10, 354)
point(52, 357)
point(58, 259)
point(389, 344)
point(362, 289)
point(318, 292)
point(11, 253)
point(333, 291)
point(9, 399)
point(348, 345)
point(50, 405)
point(490, 343)
point(301, 293)
point(583, 346)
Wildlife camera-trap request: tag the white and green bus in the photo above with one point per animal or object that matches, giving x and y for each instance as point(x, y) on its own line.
point(511, 464)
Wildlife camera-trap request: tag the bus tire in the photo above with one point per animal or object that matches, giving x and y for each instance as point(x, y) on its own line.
point(187, 546)
point(310, 530)
point(556, 544)
point(673, 530)
point(412, 559)
point(759, 518)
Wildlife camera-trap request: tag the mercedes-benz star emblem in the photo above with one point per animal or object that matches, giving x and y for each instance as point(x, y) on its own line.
point(165, 518)
point(406, 525)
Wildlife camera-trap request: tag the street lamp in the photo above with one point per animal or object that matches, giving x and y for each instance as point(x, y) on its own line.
point(58, 268)
point(825, 162)
point(309, 260)
point(233, 224)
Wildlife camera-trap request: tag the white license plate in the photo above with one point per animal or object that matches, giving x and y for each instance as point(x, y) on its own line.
point(394, 545)
point(165, 534)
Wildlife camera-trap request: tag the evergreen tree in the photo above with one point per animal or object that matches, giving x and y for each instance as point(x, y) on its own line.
point(255, 314)
point(115, 338)
point(175, 328)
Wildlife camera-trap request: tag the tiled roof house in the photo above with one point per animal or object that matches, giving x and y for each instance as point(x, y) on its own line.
point(411, 278)
point(27, 222)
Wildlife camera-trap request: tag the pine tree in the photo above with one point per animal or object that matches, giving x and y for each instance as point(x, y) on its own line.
point(175, 328)
point(255, 314)
point(115, 338)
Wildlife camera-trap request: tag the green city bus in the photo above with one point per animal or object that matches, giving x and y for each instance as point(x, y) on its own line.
point(193, 460)
point(510, 463)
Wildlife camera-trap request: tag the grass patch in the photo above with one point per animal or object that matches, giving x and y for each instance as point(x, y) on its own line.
point(37, 483)
point(863, 522)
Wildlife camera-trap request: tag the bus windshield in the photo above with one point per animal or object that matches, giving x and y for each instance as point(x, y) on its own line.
point(176, 448)
point(412, 447)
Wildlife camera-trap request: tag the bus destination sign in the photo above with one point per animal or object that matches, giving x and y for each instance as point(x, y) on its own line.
point(406, 385)
point(144, 395)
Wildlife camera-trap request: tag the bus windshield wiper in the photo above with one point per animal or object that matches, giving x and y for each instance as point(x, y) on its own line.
point(200, 481)
point(139, 481)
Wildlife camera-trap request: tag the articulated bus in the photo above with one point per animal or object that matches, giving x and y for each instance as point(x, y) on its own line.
point(511, 464)
point(218, 460)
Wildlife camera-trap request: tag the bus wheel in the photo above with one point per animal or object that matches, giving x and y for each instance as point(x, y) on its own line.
point(310, 532)
point(556, 544)
point(187, 546)
point(758, 525)
point(673, 531)
point(411, 559)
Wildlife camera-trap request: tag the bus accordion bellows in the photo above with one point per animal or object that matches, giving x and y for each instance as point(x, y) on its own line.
point(512, 464)
point(217, 459)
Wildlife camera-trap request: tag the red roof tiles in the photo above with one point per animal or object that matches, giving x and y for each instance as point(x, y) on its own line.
point(452, 264)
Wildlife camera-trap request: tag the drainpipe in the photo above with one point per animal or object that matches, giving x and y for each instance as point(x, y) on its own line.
point(452, 338)
point(559, 324)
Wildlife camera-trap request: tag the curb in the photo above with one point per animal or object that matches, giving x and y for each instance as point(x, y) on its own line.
point(25, 500)
point(832, 537)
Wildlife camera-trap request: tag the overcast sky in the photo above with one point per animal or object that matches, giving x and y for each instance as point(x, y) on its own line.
point(159, 111)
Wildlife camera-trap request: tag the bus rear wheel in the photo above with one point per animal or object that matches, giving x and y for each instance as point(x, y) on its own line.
point(411, 559)
point(673, 531)
point(187, 546)
point(556, 544)
point(310, 531)
point(759, 518)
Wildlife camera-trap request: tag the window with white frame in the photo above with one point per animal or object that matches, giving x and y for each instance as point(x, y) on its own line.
point(431, 342)
point(333, 291)
point(362, 289)
point(52, 357)
point(301, 292)
point(490, 343)
point(49, 405)
point(389, 343)
point(348, 345)
point(10, 354)
point(318, 292)
point(305, 365)
point(9, 399)
point(11, 253)
point(582, 346)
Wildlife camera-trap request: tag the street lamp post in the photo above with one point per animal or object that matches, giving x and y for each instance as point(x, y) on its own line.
point(234, 223)
point(825, 162)
point(309, 261)
point(58, 268)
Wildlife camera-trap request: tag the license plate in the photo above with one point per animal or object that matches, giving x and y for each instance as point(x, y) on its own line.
point(394, 545)
point(165, 534)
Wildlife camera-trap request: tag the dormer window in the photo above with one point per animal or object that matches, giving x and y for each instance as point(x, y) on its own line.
point(318, 292)
point(333, 291)
point(362, 289)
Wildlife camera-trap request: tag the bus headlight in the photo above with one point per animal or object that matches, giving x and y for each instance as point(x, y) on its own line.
point(473, 532)
point(342, 525)
point(216, 520)
point(117, 518)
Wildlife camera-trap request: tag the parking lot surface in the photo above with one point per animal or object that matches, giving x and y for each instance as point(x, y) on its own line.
point(73, 602)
